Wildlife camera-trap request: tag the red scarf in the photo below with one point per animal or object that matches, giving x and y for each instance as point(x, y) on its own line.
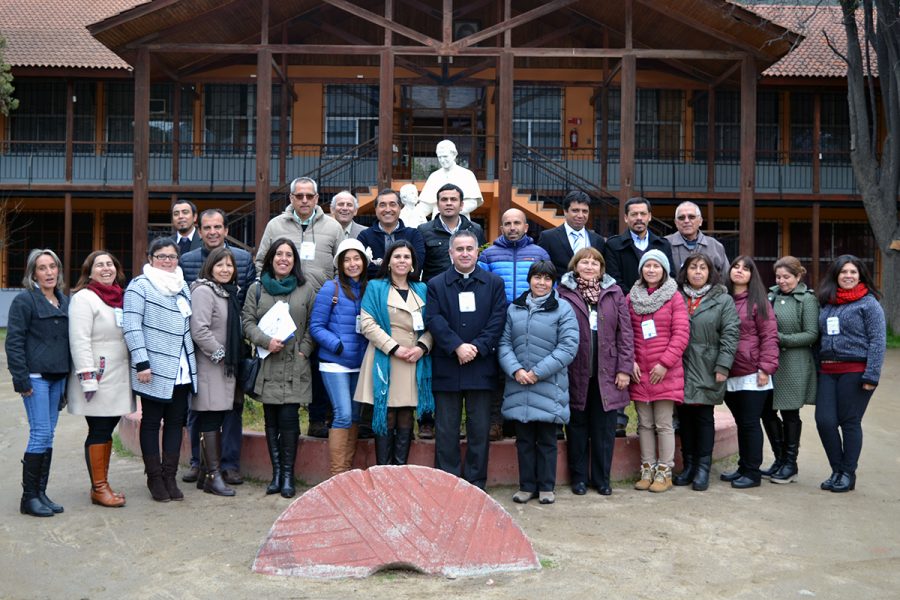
point(844, 296)
point(110, 294)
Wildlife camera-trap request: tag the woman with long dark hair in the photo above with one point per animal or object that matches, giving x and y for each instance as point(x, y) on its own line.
point(335, 325)
point(750, 378)
point(395, 377)
point(99, 386)
point(851, 354)
point(37, 355)
point(284, 382)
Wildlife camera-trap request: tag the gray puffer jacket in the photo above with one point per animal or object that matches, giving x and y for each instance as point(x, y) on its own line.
point(544, 340)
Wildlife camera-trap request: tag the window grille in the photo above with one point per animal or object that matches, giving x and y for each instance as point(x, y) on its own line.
point(835, 141)
point(351, 116)
point(230, 118)
point(41, 116)
point(120, 117)
point(802, 115)
point(46, 230)
point(537, 117)
point(728, 125)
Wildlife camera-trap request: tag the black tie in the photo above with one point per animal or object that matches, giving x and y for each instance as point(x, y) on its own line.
point(184, 245)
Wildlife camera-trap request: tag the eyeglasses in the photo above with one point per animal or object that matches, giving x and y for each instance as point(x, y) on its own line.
point(304, 196)
point(687, 217)
point(165, 256)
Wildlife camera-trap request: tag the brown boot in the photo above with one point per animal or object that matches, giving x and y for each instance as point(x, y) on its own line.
point(646, 478)
point(210, 446)
point(662, 479)
point(350, 452)
point(95, 457)
point(107, 453)
point(155, 483)
point(337, 448)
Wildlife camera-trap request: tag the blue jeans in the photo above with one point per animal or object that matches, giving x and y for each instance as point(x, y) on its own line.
point(340, 387)
point(42, 408)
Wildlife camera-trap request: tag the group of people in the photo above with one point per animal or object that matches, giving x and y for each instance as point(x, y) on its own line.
point(389, 323)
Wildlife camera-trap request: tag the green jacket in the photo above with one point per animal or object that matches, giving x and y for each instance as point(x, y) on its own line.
point(715, 329)
point(797, 314)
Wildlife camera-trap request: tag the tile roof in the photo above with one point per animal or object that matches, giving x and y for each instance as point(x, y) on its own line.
point(812, 57)
point(53, 33)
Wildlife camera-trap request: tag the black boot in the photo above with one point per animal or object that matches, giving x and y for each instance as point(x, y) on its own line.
point(402, 441)
point(42, 486)
point(210, 446)
point(701, 476)
point(687, 473)
point(155, 483)
point(384, 448)
point(788, 471)
point(32, 463)
point(775, 432)
point(274, 445)
point(288, 456)
point(169, 470)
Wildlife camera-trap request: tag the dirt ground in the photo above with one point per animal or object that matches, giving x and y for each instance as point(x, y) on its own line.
point(776, 541)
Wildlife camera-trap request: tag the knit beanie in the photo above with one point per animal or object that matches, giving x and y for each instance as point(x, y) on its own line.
point(656, 255)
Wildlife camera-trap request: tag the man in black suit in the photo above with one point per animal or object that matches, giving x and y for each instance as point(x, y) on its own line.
point(624, 251)
point(562, 242)
point(184, 222)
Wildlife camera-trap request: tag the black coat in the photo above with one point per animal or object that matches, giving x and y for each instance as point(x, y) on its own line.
point(192, 262)
point(437, 244)
point(37, 337)
point(374, 238)
point(622, 257)
point(556, 242)
point(450, 328)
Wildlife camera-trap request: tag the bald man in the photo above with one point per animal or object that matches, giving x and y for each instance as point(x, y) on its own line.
point(512, 254)
point(690, 239)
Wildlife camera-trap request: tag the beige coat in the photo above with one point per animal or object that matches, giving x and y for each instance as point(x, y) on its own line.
point(209, 318)
point(95, 337)
point(403, 390)
point(285, 376)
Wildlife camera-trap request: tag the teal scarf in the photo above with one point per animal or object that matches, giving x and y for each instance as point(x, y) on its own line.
point(375, 302)
point(279, 287)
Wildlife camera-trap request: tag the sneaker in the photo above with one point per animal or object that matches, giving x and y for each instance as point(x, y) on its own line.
point(646, 478)
point(662, 480)
point(521, 497)
point(546, 497)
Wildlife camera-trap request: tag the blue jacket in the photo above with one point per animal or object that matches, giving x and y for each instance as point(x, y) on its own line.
point(191, 263)
point(511, 261)
point(543, 340)
point(450, 328)
point(862, 336)
point(333, 326)
point(374, 237)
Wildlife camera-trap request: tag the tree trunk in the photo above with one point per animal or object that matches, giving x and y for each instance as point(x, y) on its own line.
point(891, 283)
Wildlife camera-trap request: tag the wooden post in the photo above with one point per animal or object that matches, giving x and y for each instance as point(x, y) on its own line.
point(817, 144)
point(386, 119)
point(141, 189)
point(816, 243)
point(748, 155)
point(176, 134)
point(504, 130)
point(70, 129)
point(67, 241)
point(626, 132)
point(263, 137)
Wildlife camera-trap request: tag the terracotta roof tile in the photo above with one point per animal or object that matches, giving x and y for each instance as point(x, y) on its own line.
point(812, 57)
point(53, 33)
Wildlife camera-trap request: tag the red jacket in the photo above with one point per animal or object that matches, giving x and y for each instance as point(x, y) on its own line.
point(673, 331)
point(758, 345)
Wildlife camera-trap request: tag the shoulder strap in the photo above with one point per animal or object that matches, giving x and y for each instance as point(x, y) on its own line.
point(334, 299)
point(258, 290)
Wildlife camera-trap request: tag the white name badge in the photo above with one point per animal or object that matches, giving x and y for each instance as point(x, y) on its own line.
point(307, 250)
point(592, 319)
point(418, 321)
point(649, 329)
point(120, 317)
point(467, 302)
point(183, 306)
point(358, 324)
point(832, 326)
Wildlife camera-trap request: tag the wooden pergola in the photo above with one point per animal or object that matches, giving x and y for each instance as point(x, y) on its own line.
point(707, 41)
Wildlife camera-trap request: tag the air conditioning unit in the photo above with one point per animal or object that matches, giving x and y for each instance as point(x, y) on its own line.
point(157, 106)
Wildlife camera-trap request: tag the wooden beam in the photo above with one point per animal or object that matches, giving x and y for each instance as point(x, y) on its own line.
point(264, 23)
point(626, 131)
point(70, 129)
point(184, 26)
point(140, 176)
point(512, 22)
point(367, 15)
point(385, 119)
point(629, 24)
point(263, 140)
point(128, 15)
point(447, 23)
point(505, 70)
point(724, 76)
point(747, 208)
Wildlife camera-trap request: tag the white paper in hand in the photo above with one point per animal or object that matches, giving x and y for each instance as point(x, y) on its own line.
point(276, 323)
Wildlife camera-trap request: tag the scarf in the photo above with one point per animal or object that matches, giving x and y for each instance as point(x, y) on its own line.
point(536, 302)
point(695, 294)
point(278, 287)
point(111, 295)
point(852, 295)
point(645, 303)
point(234, 335)
point(375, 303)
point(166, 283)
point(589, 290)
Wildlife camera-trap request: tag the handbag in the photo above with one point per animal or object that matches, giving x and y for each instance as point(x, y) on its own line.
point(248, 370)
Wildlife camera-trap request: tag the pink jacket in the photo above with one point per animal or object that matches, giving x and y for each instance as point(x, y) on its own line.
point(758, 345)
point(673, 331)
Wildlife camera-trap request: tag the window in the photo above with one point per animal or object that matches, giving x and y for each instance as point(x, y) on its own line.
point(802, 115)
point(537, 117)
point(728, 125)
point(835, 142)
point(351, 116)
point(659, 115)
point(41, 116)
point(46, 230)
point(230, 118)
point(120, 117)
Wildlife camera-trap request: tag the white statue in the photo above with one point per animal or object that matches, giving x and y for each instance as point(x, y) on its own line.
point(450, 172)
point(410, 213)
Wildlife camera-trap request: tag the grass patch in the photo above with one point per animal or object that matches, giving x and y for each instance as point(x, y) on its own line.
point(548, 563)
point(119, 448)
point(3, 334)
point(893, 339)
